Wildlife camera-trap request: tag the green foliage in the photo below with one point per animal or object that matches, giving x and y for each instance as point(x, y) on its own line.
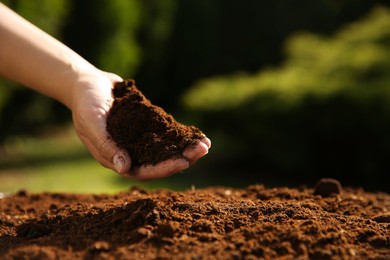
point(354, 58)
point(325, 111)
point(221, 37)
point(119, 50)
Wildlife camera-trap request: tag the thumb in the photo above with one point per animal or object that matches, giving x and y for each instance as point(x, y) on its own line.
point(106, 152)
point(118, 159)
point(121, 162)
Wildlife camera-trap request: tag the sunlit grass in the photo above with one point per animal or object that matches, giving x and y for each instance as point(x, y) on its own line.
point(78, 176)
point(58, 162)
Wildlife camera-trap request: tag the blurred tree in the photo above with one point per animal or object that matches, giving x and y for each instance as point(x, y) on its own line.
point(323, 113)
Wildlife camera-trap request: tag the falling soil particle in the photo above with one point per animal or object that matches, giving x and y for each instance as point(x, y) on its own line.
point(145, 131)
point(212, 223)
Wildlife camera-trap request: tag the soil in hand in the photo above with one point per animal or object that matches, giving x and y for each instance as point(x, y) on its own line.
point(145, 131)
point(213, 223)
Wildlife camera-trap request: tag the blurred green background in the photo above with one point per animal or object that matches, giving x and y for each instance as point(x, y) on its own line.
point(288, 91)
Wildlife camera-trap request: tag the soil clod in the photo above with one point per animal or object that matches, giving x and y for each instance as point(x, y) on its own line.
point(327, 187)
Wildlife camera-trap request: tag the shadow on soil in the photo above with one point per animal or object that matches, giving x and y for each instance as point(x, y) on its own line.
point(116, 226)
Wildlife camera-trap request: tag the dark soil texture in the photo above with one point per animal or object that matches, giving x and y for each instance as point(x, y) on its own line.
point(145, 131)
point(212, 223)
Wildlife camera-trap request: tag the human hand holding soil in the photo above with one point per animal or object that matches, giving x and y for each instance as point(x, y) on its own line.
point(157, 144)
point(93, 103)
point(37, 60)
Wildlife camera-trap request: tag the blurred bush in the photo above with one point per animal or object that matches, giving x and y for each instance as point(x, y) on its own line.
point(325, 112)
point(208, 38)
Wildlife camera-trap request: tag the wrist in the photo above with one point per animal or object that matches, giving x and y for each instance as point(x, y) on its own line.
point(93, 88)
point(79, 76)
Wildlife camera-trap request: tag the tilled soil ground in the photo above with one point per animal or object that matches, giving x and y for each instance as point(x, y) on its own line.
point(212, 223)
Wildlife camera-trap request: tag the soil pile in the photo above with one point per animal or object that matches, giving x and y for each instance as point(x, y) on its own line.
point(145, 131)
point(213, 223)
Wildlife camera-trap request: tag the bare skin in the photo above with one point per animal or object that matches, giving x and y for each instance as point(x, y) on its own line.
point(35, 59)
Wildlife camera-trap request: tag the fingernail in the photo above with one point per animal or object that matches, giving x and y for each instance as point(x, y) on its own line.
point(119, 163)
point(206, 141)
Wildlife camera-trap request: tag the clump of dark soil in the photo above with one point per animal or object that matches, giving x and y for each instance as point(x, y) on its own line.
point(212, 223)
point(145, 131)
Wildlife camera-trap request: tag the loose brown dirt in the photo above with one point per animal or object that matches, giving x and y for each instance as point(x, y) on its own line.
point(213, 223)
point(145, 131)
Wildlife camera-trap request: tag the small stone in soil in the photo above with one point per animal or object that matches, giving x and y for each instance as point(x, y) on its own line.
point(327, 187)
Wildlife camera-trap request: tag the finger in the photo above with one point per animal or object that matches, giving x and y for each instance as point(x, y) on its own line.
point(160, 170)
point(119, 159)
point(95, 153)
point(194, 152)
point(108, 154)
point(206, 141)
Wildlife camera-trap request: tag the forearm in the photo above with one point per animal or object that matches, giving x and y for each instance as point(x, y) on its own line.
point(35, 59)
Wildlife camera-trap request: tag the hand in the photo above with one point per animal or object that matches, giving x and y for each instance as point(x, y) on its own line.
point(91, 102)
